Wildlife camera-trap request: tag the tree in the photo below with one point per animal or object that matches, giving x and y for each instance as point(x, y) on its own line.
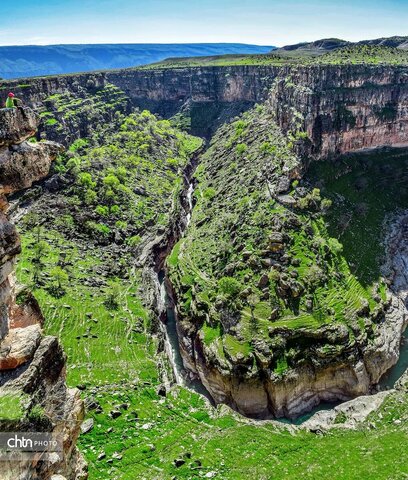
point(229, 286)
point(113, 295)
point(40, 249)
point(60, 278)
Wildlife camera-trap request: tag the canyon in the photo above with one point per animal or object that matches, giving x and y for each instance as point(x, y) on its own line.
point(237, 229)
point(342, 108)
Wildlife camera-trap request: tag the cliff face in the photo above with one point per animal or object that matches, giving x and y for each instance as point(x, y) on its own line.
point(32, 366)
point(208, 96)
point(269, 315)
point(342, 108)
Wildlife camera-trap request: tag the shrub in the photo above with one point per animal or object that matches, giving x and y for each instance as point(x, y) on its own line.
point(113, 295)
point(111, 181)
point(134, 240)
point(90, 197)
point(209, 193)
point(335, 246)
point(78, 144)
point(314, 276)
point(60, 278)
point(115, 209)
point(85, 179)
point(102, 211)
point(121, 225)
point(229, 286)
point(241, 148)
point(73, 164)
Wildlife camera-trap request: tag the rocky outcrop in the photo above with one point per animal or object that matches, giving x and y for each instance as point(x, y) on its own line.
point(209, 96)
point(21, 165)
point(265, 363)
point(343, 109)
point(253, 389)
point(346, 415)
point(31, 365)
point(17, 125)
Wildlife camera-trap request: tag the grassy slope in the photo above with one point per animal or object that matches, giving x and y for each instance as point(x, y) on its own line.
point(219, 265)
point(121, 366)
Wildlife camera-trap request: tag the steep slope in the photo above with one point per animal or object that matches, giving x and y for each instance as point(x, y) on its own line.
point(33, 393)
point(350, 99)
point(104, 309)
point(88, 233)
point(270, 316)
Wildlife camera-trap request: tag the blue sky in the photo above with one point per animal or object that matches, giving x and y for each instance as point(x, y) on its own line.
point(273, 22)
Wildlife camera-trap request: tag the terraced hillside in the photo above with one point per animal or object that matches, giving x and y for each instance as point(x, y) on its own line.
point(142, 428)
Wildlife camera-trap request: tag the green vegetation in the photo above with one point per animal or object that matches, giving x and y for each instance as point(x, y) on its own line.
point(255, 262)
point(12, 406)
point(115, 361)
point(353, 55)
point(363, 189)
point(88, 112)
point(364, 55)
point(118, 188)
point(115, 189)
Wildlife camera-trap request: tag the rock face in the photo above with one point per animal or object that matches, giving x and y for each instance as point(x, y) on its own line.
point(252, 325)
point(17, 125)
point(341, 108)
point(31, 365)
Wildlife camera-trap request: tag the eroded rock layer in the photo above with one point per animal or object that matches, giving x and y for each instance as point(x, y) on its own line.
point(342, 108)
point(32, 366)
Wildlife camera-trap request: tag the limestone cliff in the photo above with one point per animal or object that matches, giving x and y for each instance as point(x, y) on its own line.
point(270, 317)
point(342, 108)
point(32, 366)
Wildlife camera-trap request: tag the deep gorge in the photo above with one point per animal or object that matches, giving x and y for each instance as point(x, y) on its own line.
point(273, 341)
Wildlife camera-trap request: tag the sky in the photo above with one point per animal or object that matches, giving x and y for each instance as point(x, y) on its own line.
point(262, 22)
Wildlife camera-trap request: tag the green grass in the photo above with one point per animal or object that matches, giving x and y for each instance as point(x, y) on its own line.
point(154, 431)
point(12, 406)
point(226, 252)
point(364, 189)
point(349, 55)
point(113, 357)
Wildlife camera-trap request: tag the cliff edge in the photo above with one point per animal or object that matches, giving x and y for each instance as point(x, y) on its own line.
point(33, 393)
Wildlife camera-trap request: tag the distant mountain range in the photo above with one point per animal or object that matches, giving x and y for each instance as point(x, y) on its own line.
point(319, 47)
point(29, 61)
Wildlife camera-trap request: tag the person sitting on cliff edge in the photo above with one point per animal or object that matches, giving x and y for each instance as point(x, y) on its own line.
point(12, 101)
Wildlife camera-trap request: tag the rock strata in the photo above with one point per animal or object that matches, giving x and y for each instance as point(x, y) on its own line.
point(32, 366)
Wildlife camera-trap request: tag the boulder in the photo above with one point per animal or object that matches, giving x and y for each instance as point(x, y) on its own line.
point(19, 346)
point(16, 125)
point(21, 165)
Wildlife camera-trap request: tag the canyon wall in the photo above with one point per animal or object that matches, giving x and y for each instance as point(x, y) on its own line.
point(341, 108)
point(209, 95)
point(32, 365)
